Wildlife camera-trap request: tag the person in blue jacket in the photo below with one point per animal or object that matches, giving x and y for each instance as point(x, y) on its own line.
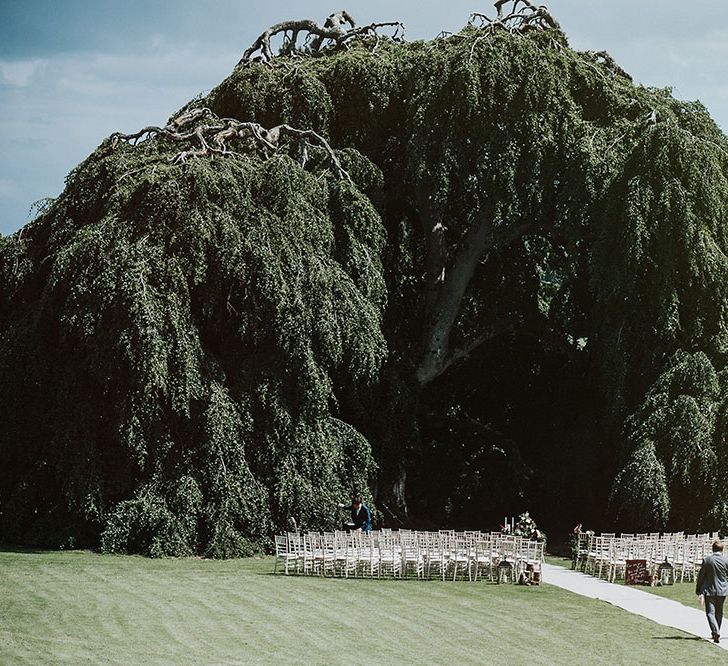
point(361, 517)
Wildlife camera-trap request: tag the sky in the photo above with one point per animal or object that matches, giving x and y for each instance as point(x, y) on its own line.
point(74, 71)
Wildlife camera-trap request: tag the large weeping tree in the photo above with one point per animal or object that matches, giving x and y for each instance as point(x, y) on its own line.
point(468, 274)
point(173, 328)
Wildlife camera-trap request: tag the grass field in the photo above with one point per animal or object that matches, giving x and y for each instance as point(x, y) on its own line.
point(79, 607)
point(682, 592)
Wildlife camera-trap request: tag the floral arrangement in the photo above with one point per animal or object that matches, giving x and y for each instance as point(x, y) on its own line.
point(575, 544)
point(525, 526)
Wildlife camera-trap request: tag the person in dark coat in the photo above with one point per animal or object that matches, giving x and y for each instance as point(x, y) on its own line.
point(712, 587)
point(361, 518)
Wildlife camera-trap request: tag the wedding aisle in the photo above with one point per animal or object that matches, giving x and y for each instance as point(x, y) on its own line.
point(658, 609)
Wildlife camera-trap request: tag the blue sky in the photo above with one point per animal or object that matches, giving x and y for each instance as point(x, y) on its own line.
point(74, 71)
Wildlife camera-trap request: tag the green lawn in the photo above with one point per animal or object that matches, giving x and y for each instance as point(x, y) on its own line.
point(682, 592)
point(558, 560)
point(79, 607)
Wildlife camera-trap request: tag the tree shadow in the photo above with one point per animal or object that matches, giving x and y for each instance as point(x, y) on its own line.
point(27, 550)
point(678, 638)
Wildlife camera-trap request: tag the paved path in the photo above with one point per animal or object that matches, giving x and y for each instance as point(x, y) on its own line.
point(658, 609)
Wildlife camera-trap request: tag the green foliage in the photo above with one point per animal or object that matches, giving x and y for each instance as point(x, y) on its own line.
point(169, 341)
point(194, 351)
point(641, 490)
point(156, 523)
point(671, 476)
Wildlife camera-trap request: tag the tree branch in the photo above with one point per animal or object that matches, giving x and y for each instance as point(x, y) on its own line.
point(520, 19)
point(213, 138)
point(436, 250)
point(603, 58)
point(332, 33)
point(488, 333)
point(450, 290)
point(497, 438)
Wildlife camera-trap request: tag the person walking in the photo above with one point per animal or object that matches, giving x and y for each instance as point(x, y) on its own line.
point(361, 518)
point(712, 587)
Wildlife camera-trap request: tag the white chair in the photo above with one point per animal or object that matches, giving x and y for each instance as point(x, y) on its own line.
point(297, 549)
point(461, 558)
point(390, 557)
point(368, 561)
point(283, 554)
point(483, 558)
point(413, 561)
point(347, 555)
point(617, 563)
point(435, 555)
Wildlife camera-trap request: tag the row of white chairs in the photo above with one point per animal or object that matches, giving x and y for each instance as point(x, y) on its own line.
point(606, 555)
point(447, 555)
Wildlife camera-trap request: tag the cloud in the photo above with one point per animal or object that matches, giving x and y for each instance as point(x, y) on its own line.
point(88, 74)
point(57, 110)
point(19, 73)
point(8, 189)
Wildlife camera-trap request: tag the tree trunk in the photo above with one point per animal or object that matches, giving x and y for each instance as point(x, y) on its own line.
point(447, 289)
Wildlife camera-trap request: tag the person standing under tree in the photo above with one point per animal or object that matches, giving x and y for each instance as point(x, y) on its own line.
point(712, 588)
point(361, 518)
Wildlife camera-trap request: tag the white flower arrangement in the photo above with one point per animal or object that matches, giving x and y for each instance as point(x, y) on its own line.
point(526, 527)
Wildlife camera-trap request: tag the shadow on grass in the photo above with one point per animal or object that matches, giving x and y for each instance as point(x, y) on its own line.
point(25, 550)
point(409, 580)
point(677, 638)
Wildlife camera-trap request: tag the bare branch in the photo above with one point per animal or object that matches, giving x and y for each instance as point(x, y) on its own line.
point(490, 332)
point(305, 135)
point(523, 17)
point(604, 59)
point(332, 34)
point(213, 137)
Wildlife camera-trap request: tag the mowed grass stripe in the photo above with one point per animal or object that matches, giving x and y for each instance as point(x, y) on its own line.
point(87, 608)
point(683, 593)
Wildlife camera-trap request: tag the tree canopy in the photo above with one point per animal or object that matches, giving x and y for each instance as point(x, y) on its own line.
point(473, 274)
